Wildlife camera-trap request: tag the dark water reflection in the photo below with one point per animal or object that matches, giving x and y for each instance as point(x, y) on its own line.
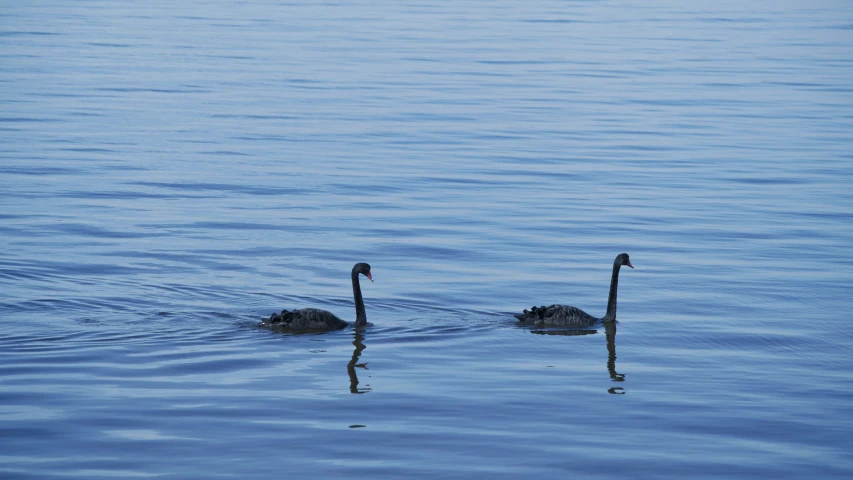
point(610, 335)
point(358, 342)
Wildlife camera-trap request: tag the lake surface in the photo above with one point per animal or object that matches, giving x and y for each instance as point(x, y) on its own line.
point(169, 174)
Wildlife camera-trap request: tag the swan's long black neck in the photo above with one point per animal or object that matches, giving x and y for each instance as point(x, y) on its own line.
point(360, 316)
point(611, 299)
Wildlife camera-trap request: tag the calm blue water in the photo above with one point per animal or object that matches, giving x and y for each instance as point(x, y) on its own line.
point(171, 173)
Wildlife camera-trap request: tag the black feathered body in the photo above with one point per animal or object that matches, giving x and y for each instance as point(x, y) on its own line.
point(306, 319)
point(557, 315)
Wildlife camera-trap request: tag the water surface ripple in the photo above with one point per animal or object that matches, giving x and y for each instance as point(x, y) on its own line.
point(171, 173)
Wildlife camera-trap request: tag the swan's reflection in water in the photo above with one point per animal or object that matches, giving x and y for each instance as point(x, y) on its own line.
point(610, 333)
point(353, 364)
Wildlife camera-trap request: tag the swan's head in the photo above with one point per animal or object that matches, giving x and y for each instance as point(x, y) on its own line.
point(622, 259)
point(363, 269)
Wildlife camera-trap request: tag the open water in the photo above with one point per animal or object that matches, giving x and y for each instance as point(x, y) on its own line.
point(170, 172)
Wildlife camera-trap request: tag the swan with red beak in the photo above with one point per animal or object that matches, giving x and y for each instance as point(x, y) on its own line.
point(567, 315)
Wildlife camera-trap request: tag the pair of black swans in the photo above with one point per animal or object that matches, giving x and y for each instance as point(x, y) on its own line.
point(316, 320)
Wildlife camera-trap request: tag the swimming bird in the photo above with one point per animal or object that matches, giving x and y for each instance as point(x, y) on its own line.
point(566, 315)
point(316, 320)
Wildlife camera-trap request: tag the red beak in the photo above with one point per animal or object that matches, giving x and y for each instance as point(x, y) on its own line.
point(629, 263)
point(371, 278)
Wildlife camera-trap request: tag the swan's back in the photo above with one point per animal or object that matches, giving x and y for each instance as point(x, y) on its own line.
point(557, 315)
point(307, 319)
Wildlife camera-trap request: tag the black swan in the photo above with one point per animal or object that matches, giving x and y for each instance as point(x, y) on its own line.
point(316, 320)
point(565, 315)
